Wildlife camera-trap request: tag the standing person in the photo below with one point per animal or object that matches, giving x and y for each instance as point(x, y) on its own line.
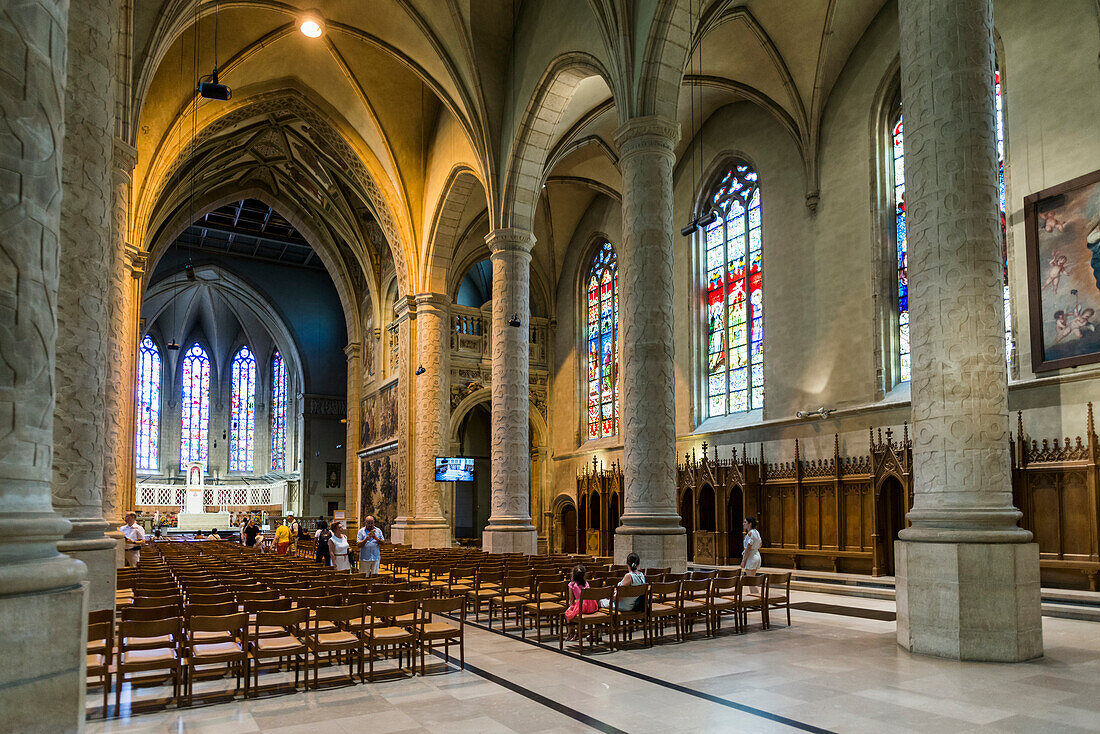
point(322, 536)
point(369, 539)
point(243, 526)
point(338, 547)
point(250, 533)
point(750, 557)
point(135, 538)
point(282, 538)
point(295, 532)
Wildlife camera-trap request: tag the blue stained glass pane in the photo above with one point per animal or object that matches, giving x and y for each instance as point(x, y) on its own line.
point(602, 335)
point(739, 379)
point(146, 450)
point(278, 413)
point(243, 412)
point(195, 407)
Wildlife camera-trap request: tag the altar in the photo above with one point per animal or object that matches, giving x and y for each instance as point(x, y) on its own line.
point(193, 515)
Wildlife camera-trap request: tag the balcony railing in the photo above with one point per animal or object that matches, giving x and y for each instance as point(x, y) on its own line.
point(471, 335)
point(222, 497)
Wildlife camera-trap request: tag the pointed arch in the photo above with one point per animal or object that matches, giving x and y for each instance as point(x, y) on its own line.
point(446, 229)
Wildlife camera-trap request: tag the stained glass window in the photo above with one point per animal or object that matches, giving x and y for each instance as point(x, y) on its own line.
point(902, 244)
point(278, 413)
point(735, 295)
point(603, 344)
point(148, 406)
point(195, 407)
point(242, 418)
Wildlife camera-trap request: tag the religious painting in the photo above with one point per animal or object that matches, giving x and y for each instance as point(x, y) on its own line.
point(378, 490)
point(1063, 265)
point(332, 475)
point(378, 417)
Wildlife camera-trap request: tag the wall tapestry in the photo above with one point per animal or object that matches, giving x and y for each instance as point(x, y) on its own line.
point(378, 492)
point(1063, 267)
point(378, 417)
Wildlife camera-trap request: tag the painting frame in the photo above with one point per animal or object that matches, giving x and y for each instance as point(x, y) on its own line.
point(1049, 203)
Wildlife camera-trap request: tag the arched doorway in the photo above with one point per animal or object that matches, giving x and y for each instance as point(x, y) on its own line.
point(706, 509)
point(687, 519)
point(568, 518)
point(472, 499)
point(735, 516)
point(891, 521)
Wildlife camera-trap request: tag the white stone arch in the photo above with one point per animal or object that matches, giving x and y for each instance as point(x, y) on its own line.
point(668, 44)
point(445, 234)
point(485, 395)
point(526, 164)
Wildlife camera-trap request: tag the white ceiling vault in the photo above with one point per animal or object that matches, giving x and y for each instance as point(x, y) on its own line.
point(412, 126)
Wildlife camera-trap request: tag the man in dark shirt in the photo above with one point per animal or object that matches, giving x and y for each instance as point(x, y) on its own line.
point(250, 533)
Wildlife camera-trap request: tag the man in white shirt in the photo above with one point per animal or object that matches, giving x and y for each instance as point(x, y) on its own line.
point(135, 538)
point(369, 539)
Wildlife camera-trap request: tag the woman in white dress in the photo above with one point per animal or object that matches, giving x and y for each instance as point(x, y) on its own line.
point(338, 547)
point(750, 557)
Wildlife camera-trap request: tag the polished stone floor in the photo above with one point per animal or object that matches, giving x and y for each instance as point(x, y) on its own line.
point(829, 671)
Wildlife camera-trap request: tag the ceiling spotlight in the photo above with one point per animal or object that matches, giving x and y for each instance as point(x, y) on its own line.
point(514, 321)
point(173, 345)
point(703, 220)
point(420, 370)
point(211, 88)
point(189, 271)
point(311, 27)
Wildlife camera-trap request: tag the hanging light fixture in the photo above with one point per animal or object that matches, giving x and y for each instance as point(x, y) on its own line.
point(209, 87)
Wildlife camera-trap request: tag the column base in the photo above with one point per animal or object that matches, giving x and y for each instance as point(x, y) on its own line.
point(969, 601)
point(87, 542)
point(430, 533)
point(656, 549)
point(510, 539)
point(399, 530)
point(45, 631)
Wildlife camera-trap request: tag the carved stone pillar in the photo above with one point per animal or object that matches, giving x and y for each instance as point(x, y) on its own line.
point(42, 606)
point(510, 529)
point(404, 310)
point(650, 523)
point(353, 512)
point(80, 415)
point(428, 527)
point(967, 577)
point(122, 303)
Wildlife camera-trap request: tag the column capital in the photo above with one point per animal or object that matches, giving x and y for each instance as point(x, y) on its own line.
point(125, 156)
point(353, 350)
point(647, 133)
point(404, 307)
point(439, 302)
point(510, 240)
point(136, 260)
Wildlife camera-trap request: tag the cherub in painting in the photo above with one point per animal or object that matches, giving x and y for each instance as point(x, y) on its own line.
point(1059, 266)
point(1051, 222)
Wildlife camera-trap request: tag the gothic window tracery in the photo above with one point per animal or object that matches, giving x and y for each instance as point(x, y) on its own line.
point(734, 294)
point(243, 412)
point(602, 339)
point(148, 406)
point(278, 413)
point(195, 407)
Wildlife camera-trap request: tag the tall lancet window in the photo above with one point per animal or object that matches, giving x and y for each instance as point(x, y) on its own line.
point(278, 413)
point(898, 140)
point(603, 344)
point(195, 407)
point(147, 445)
point(734, 295)
point(242, 419)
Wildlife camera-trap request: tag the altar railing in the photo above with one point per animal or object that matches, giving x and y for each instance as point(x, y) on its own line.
point(224, 496)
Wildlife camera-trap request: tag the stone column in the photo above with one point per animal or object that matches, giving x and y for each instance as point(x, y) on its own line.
point(428, 527)
point(42, 606)
point(404, 310)
point(967, 576)
point(650, 523)
point(80, 416)
point(118, 465)
point(352, 510)
point(510, 529)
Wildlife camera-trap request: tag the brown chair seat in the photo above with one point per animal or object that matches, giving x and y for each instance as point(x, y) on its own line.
point(689, 605)
point(150, 642)
point(658, 607)
point(215, 650)
point(338, 637)
point(96, 661)
point(206, 638)
point(433, 629)
point(154, 657)
point(390, 634)
point(546, 606)
point(286, 643)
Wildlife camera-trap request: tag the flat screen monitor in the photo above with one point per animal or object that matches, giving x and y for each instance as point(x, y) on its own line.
point(454, 469)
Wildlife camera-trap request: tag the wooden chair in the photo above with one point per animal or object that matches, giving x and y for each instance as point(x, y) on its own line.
point(133, 657)
point(753, 597)
point(514, 593)
point(593, 621)
point(431, 632)
point(724, 601)
point(548, 602)
point(662, 607)
point(694, 601)
point(100, 650)
point(382, 634)
point(655, 573)
point(326, 632)
point(207, 645)
point(264, 645)
point(486, 586)
point(779, 594)
point(624, 619)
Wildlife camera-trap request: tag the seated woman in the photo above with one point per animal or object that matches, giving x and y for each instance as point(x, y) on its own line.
point(633, 577)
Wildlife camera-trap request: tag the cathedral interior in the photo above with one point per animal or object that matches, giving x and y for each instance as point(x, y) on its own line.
point(343, 260)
